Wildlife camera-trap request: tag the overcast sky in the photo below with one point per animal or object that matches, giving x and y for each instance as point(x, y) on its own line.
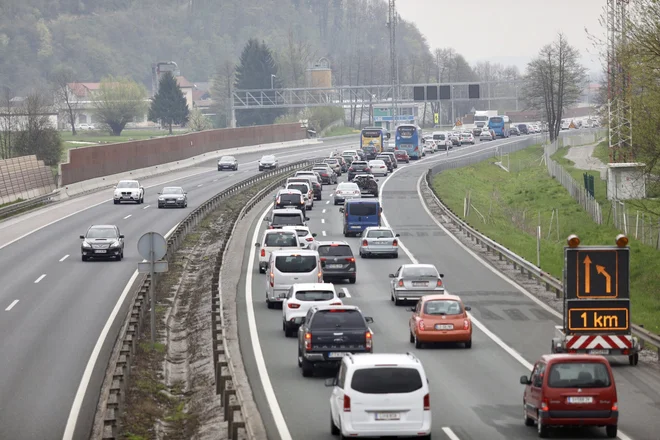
point(506, 31)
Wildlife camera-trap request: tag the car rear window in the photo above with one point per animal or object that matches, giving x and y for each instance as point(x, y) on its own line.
point(388, 380)
point(360, 166)
point(295, 263)
point(362, 209)
point(443, 307)
point(419, 272)
point(301, 232)
point(315, 295)
point(380, 234)
point(287, 219)
point(579, 375)
point(340, 250)
point(303, 188)
point(289, 199)
point(337, 319)
point(281, 239)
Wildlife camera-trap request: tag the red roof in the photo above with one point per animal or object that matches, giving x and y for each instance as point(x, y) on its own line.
point(183, 82)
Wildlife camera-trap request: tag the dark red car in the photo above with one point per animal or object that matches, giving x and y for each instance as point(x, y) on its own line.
point(402, 156)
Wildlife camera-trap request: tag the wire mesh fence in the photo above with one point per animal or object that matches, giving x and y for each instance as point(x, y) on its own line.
point(634, 222)
point(23, 178)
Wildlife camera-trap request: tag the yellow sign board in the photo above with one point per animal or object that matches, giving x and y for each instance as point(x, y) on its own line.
point(436, 118)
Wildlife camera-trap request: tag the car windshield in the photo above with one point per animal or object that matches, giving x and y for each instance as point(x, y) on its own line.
point(287, 219)
point(281, 239)
point(341, 250)
point(315, 295)
point(362, 209)
point(295, 263)
point(386, 380)
point(172, 190)
point(347, 187)
point(128, 185)
point(380, 233)
point(443, 307)
point(227, 159)
point(420, 271)
point(268, 159)
point(359, 165)
point(102, 233)
point(579, 375)
point(320, 170)
point(337, 318)
point(331, 161)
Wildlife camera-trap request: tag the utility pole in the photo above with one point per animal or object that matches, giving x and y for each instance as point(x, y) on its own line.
point(394, 65)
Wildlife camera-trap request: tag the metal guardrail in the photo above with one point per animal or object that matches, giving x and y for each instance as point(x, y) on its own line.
point(551, 283)
point(26, 204)
point(139, 308)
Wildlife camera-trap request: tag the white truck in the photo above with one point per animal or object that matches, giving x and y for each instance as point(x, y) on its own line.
point(481, 118)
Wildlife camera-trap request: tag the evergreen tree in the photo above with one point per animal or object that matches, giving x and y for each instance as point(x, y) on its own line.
point(169, 105)
point(254, 71)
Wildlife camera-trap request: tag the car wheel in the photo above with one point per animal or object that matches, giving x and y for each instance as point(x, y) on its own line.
point(185, 205)
point(262, 270)
point(116, 202)
point(541, 428)
point(391, 296)
point(160, 206)
point(333, 428)
point(418, 344)
point(219, 169)
point(527, 420)
point(468, 344)
point(396, 301)
point(307, 368)
point(611, 431)
point(261, 169)
point(352, 280)
point(395, 255)
point(288, 332)
point(270, 305)
point(84, 258)
point(412, 338)
point(236, 168)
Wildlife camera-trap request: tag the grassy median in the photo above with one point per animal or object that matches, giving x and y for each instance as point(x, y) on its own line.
point(509, 206)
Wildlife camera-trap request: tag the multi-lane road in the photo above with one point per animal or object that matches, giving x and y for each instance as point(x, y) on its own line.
point(60, 316)
point(475, 394)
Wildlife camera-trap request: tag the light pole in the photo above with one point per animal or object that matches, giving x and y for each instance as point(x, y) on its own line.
point(272, 77)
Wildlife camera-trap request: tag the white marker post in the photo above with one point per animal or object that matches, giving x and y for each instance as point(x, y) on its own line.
point(152, 247)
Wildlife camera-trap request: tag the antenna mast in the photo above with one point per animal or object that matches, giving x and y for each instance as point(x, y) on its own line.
point(394, 65)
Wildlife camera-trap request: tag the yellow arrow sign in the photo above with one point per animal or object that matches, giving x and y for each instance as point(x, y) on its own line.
point(587, 274)
point(435, 118)
point(608, 279)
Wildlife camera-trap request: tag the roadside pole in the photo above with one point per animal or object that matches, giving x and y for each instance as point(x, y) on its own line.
point(152, 247)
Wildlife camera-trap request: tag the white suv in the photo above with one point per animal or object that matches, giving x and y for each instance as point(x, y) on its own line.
point(378, 395)
point(301, 298)
point(128, 191)
point(276, 240)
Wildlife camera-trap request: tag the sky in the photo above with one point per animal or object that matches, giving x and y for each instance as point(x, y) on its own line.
point(516, 29)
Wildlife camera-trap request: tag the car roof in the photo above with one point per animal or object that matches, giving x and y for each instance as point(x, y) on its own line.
point(566, 357)
point(127, 180)
point(273, 231)
point(102, 226)
point(364, 175)
point(329, 307)
point(441, 297)
point(371, 201)
point(417, 265)
point(302, 252)
point(287, 211)
point(378, 228)
point(331, 242)
point(384, 359)
point(293, 227)
point(227, 157)
point(289, 191)
point(313, 286)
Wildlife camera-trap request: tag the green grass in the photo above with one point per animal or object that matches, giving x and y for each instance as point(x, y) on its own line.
point(340, 131)
point(600, 186)
point(19, 200)
point(602, 152)
point(512, 203)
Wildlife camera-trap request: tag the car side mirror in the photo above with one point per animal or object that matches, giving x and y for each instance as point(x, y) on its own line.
point(442, 275)
point(410, 309)
point(369, 319)
point(160, 194)
point(341, 209)
point(524, 380)
point(121, 236)
point(341, 294)
point(314, 234)
point(257, 244)
point(82, 237)
point(265, 219)
point(331, 382)
point(306, 219)
point(185, 193)
point(142, 187)
point(392, 275)
point(377, 180)
point(468, 308)
point(380, 209)
point(398, 235)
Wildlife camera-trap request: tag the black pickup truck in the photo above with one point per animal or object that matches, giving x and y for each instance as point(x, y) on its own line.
point(328, 333)
point(367, 184)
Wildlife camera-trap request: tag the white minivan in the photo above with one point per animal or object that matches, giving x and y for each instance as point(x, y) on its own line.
point(380, 395)
point(276, 240)
point(286, 268)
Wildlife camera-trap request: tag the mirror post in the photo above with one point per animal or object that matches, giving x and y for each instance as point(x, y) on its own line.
point(152, 294)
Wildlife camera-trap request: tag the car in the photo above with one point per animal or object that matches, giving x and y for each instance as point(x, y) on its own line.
point(523, 129)
point(392, 157)
point(455, 138)
point(485, 136)
point(379, 240)
point(440, 318)
point(380, 394)
point(228, 163)
point(305, 190)
point(342, 162)
point(289, 267)
point(301, 298)
point(389, 163)
point(370, 152)
point(428, 147)
point(414, 280)
point(571, 390)
point(402, 156)
point(378, 167)
point(350, 158)
point(513, 131)
point(361, 155)
point(286, 217)
point(316, 182)
point(467, 138)
point(173, 196)
point(337, 260)
point(275, 240)
point(367, 184)
point(442, 140)
point(359, 214)
point(102, 242)
point(358, 166)
point(328, 177)
point(476, 131)
point(346, 191)
point(305, 236)
point(128, 191)
point(268, 162)
point(334, 164)
point(290, 198)
point(320, 346)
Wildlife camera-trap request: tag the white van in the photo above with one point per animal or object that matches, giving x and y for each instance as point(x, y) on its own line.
point(276, 240)
point(286, 268)
point(378, 395)
point(286, 217)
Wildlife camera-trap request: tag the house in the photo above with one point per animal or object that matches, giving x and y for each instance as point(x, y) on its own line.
point(15, 118)
point(202, 96)
point(187, 89)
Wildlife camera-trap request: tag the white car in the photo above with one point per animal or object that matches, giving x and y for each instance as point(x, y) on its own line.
point(276, 240)
point(367, 401)
point(301, 298)
point(485, 136)
point(429, 146)
point(378, 167)
point(305, 236)
point(442, 141)
point(348, 190)
point(467, 138)
point(128, 191)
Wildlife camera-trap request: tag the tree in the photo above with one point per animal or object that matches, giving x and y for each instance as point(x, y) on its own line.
point(197, 121)
point(66, 100)
point(221, 88)
point(554, 82)
point(36, 134)
point(8, 124)
point(256, 70)
point(169, 106)
point(118, 102)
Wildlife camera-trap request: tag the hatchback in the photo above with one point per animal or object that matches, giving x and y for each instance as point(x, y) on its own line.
point(402, 156)
point(337, 260)
point(379, 240)
point(301, 298)
point(440, 318)
point(358, 167)
point(378, 167)
point(305, 236)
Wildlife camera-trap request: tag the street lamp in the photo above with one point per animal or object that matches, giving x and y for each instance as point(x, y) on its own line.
point(272, 77)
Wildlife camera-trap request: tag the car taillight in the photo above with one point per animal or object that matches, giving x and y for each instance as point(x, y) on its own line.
point(263, 252)
point(544, 405)
point(293, 306)
point(272, 279)
point(324, 259)
point(400, 283)
point(439, 283)
point(350, 259)
point(309, 239)
point(367, 169)
point(421, 325)
point(615, 406)
point(337, 304)
point(319, 276)
point(395, 243)
point(308, 341)
point(427, 402)
point(369, 340)
point(270, 227)
point(365, 243)
point(347, 403)
point(466, 324)
point(351, 169)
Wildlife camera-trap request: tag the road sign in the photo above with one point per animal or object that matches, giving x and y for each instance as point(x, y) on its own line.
point(159, 246)
point(458, 123)
point(597, 316)
point(597, 272)
point(436, 118)
point(159, 267)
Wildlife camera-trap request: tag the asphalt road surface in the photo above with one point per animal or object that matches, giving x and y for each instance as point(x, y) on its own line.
point(475, 393)
point(54, 306)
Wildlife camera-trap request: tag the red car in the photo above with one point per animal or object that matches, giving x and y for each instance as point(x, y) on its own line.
point(402, 156)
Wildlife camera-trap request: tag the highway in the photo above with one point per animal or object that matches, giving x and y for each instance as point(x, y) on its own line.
point(475, 394)
point(56, 308)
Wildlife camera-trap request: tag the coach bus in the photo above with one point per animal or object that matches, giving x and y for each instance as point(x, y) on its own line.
point(408, 138)
point(500, 125)
point(372, 137)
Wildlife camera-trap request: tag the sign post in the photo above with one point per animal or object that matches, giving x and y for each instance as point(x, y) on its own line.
point(152, 247)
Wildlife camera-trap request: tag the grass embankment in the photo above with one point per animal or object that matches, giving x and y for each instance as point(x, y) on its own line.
point(512, 203)
point(340, 131)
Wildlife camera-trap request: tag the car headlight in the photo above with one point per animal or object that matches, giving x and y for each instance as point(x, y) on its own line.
point(115, 243)
point(161, 198)
point(86, 245)
point(180, 198)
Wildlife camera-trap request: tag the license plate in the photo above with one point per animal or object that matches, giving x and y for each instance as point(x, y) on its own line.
point(355, 227)
point(380, 242)
point(170, 201)
point(599, 352)
point(388, 416)
point(337, 354)
point(420, 283)
point(580, 399)
point(444, 326)
point(101, 252)
point(334, 266)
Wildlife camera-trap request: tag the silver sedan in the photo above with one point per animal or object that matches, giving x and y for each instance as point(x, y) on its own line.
point(379, 241)
point(412, 281)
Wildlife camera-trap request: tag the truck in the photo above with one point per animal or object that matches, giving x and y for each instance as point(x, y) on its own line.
point(596, 287)
point(481, 117)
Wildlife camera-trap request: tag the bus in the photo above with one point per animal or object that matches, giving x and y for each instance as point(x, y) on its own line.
point(500, 125)
point(408, 138)
point(374, 137)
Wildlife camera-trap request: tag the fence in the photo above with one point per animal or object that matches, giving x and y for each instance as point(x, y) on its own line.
point(641, 225)
point(23, 178)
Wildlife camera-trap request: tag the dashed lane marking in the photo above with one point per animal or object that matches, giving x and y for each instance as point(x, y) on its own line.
point(64, 258)
point(11, 306)
point(40, 278)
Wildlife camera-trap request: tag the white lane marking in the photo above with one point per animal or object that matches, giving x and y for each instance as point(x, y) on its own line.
point(322, 220)
point(323, 232)
point(328, 202)
point(450, 433)
point(200, 185)
point(64, 258)
point(129, 215)
point(345, 290)
point(274, 406)
point(323, 212)
point(11, 306)
point(40, 278)
point(146, 207)
point(89, 369)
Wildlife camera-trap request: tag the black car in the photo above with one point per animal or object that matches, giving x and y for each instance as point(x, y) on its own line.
point(268, 163)
point(328, 177)
point(367, 184)
point(392, 156)
point(290, 198)
point(370, 152)
point(172, 197)
point(227, 163)
point(101, 242)
point(327, 332)
point(476, 132)
point(337, 259)
point(388, 161)
point(359, 166)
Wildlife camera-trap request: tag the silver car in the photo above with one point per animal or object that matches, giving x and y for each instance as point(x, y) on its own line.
point(172, 196)
point(412, 281)
point(379, 240)
point(334, 164)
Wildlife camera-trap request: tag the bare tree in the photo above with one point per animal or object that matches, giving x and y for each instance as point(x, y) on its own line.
point(8, 124)
point(298, 55)
point(554, 82)
point(65, 97)
point(221, 91)
point(36, 133)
